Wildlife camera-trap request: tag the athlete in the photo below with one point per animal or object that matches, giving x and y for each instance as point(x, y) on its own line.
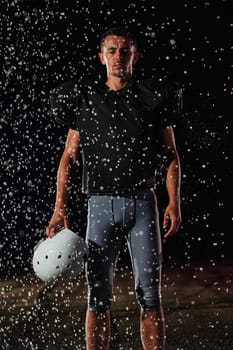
point(118, 127)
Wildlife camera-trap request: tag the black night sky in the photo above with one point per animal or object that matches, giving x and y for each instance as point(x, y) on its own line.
point(46, 42)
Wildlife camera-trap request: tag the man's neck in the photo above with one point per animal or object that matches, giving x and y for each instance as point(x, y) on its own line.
point(115, 83)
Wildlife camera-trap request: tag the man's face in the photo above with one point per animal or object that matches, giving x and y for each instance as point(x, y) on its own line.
point(118, 54)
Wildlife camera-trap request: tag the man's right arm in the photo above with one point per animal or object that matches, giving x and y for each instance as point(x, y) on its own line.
point(64, 182)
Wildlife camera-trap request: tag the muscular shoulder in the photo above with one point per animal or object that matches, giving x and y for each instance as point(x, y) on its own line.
point(160, 84)
point(73, 87)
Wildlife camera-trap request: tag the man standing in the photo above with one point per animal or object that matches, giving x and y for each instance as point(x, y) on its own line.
point(119, 127)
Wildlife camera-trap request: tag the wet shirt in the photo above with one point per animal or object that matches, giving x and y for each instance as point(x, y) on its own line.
point(118, 130)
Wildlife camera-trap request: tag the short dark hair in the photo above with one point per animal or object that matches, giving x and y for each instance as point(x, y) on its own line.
point(119, 31)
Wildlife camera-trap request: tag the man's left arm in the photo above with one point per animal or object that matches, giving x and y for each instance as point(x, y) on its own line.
point(172, 214)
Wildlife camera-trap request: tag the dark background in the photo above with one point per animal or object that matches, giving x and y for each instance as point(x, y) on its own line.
point(46, 42)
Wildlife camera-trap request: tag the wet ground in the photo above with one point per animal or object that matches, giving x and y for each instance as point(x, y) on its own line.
point(197, 300)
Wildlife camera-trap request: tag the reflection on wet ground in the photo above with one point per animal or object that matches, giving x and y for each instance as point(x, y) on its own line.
point(197, 300)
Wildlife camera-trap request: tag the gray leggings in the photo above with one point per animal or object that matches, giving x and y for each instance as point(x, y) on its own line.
point(109, 219)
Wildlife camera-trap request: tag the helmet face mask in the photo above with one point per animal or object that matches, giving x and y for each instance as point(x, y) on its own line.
point(60, 256)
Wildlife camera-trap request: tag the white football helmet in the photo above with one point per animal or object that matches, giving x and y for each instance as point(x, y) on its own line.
point(63, 255)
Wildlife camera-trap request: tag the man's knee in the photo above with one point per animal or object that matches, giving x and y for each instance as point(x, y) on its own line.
point(149, 298)
point(100, 298)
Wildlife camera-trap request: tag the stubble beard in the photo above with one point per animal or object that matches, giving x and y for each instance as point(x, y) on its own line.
point(119, 74)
